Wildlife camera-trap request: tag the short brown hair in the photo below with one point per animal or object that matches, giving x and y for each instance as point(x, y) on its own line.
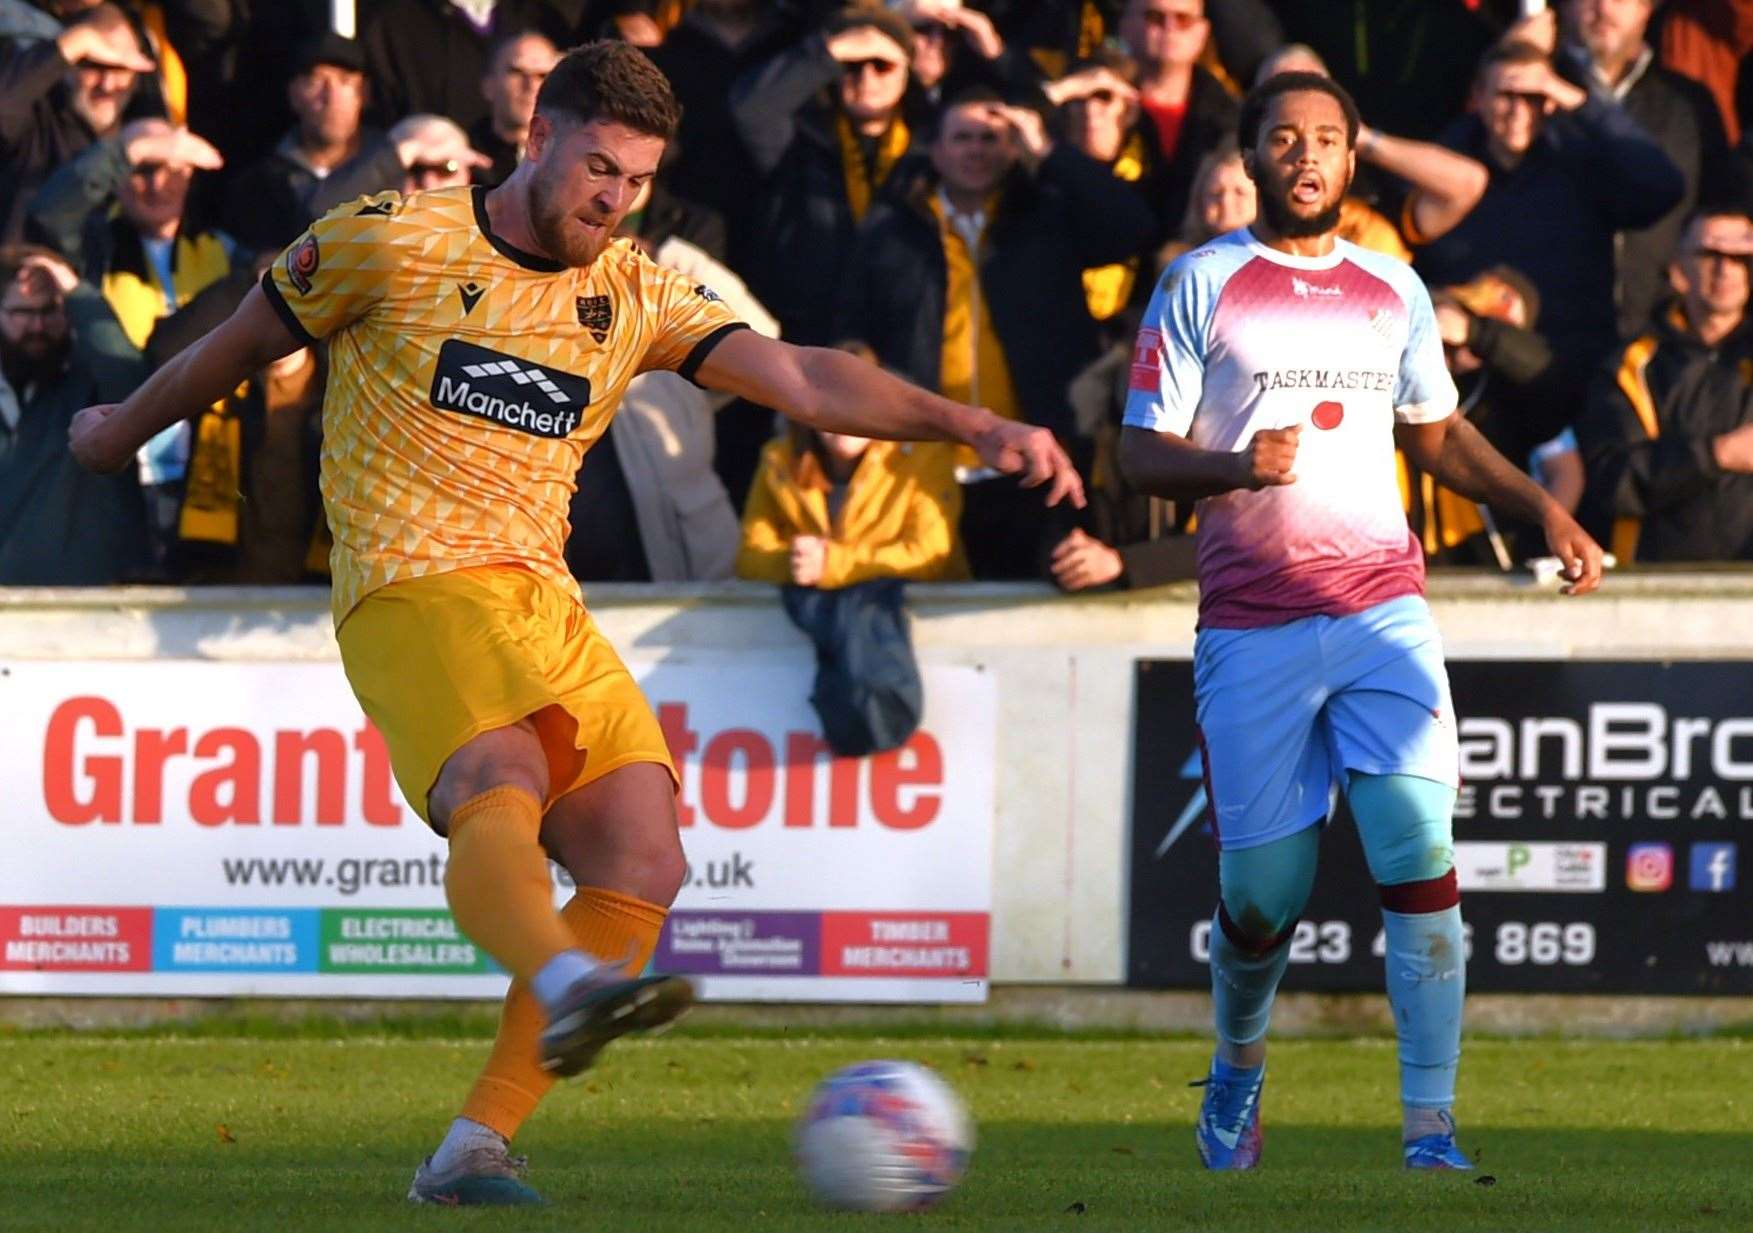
point(1516, 51)
point(610, 80)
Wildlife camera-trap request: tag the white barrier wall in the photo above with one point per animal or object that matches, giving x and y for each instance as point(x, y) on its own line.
point(1062, 670)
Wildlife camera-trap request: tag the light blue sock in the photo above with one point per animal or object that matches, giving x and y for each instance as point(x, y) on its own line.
point(1263, 890)
point(1243, 987)
point(1427, 983)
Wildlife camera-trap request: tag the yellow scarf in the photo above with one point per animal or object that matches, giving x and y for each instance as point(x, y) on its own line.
point(173, 78)
point(861, 185)
point(1107, 288)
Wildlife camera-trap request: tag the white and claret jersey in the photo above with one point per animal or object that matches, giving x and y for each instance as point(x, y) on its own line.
point(1239, 337)
point(467, 379)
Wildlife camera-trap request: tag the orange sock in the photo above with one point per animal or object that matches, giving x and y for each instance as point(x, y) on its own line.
point(497, 881)
point(615, 928)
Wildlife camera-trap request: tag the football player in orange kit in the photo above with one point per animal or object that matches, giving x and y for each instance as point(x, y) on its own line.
point(479, 342)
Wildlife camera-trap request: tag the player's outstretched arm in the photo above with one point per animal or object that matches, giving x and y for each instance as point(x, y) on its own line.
point(1454, 452)
point(1164, 464)
point(838, 392)
point(105, 438)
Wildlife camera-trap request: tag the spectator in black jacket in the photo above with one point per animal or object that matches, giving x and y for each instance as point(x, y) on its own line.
point(823, 122)
point(973, 286)
point(427, 56)
point(520, 63)
point(270, 203)
point(1568, 170)
point(60, 350)
point(1611, 55)
point(1514, 390)
point(1408, 63)
point(1188, 111)
point(716, 43)
point(58, 96)
point(1667, 435)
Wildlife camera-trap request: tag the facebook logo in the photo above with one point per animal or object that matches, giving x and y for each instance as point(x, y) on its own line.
point(1713, 867)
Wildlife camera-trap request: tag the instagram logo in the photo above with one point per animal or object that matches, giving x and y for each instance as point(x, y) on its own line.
point(1649, 867)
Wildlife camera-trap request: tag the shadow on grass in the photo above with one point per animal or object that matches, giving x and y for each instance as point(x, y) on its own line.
point(735, 1174)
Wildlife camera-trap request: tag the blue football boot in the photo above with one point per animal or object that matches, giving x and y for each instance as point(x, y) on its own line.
point(1228, 1130)
point(1436, 1151)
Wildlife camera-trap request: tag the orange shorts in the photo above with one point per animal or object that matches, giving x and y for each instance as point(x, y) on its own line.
point(436, 661)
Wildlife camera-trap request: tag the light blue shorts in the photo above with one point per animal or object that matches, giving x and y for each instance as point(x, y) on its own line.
point(1285, 711)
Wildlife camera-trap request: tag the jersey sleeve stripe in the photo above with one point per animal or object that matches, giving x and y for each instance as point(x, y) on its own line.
point(704, 347)
point(284, 310)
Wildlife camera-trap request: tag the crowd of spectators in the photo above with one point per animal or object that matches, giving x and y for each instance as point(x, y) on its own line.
point(977, 194)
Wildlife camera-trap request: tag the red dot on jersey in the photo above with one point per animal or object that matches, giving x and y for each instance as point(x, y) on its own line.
point(1327, 415)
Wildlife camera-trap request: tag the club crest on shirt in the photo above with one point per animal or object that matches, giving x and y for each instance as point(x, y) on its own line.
point(707, 293)
point(596, 314)
point(301, 263)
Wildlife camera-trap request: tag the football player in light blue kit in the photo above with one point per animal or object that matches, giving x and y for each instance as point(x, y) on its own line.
point(1275, 370)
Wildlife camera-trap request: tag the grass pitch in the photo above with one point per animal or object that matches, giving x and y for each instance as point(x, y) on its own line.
point(690, 1132)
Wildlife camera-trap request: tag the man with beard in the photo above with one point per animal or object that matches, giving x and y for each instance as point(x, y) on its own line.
point(60, 95)
point(480, 340)
point(1276, 368)
point(60, 349)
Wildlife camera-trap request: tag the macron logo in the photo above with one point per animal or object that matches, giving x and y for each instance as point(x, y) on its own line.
point(513, 393)
point(1304, 290)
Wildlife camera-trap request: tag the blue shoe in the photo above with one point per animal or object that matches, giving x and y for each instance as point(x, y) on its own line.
point(489, 1177)
point(1228, 1130)
point(1436, 1151)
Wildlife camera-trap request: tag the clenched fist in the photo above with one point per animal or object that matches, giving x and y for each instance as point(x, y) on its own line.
point(1269, 458)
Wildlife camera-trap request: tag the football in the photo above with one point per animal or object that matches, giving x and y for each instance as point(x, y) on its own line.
point(883, 1137)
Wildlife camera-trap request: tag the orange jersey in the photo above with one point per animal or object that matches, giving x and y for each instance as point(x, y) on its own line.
point(467, 379)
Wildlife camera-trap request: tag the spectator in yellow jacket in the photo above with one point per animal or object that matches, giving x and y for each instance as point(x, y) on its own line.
point(828, 510)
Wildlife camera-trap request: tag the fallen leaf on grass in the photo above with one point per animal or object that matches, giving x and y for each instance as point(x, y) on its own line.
point(1077, 1209)
point(225, 1135)
point(1485, 1179)
point(1123, 1151)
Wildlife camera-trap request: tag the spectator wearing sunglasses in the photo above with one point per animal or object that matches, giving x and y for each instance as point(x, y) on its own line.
point(824, 124)
point(59, 95)
point(1667, 433)
point(1186, 109)
point(1568, 169)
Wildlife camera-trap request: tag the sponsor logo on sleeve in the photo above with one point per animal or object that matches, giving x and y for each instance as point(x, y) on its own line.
point(707, 293)
point(1147, 361)
point(508, 391)
point(302, 260)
